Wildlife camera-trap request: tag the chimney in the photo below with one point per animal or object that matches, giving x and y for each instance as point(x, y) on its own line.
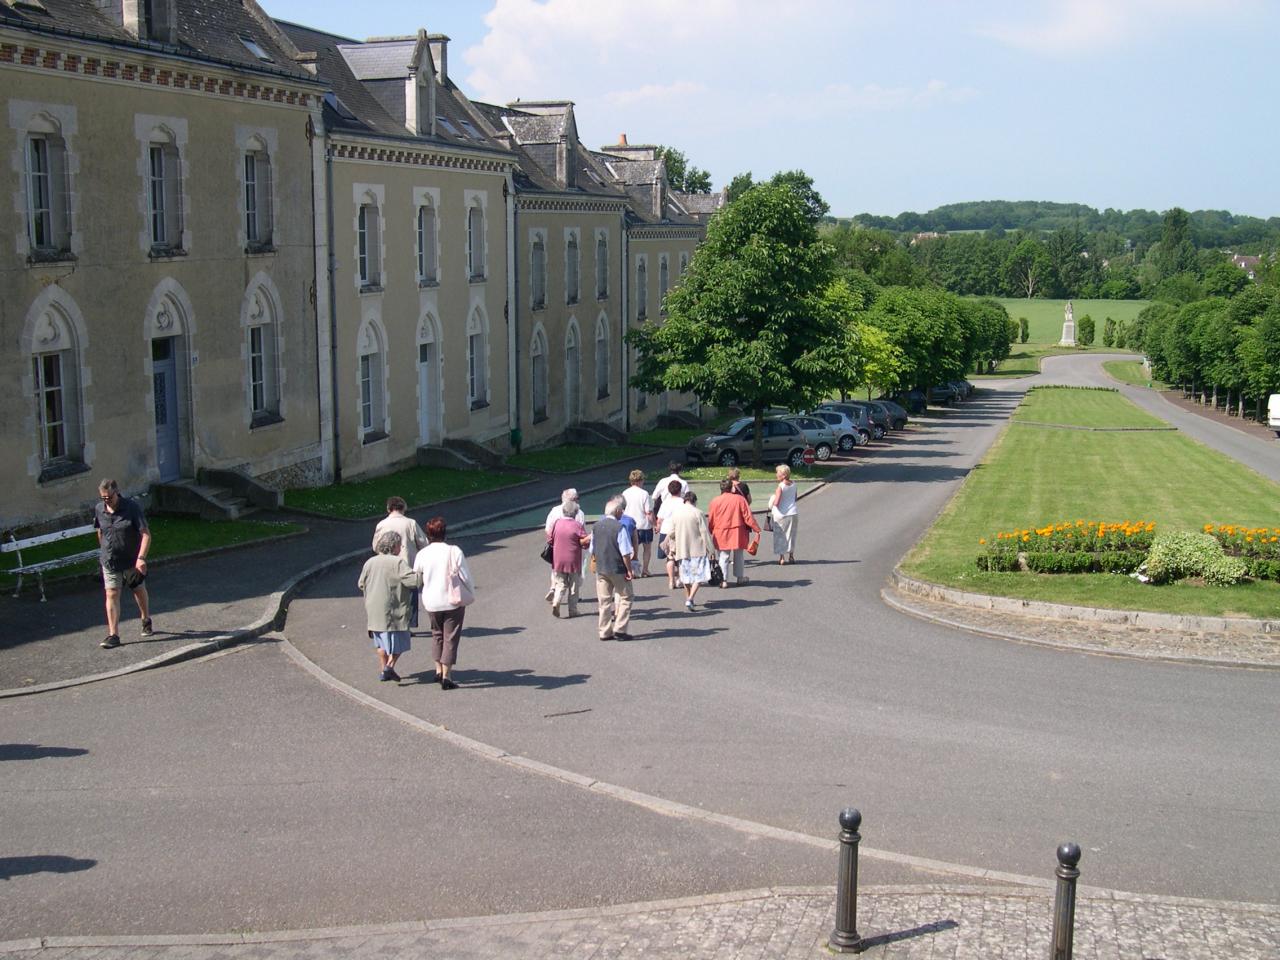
point(440, 54)
point(154, 20)
point(622, 139)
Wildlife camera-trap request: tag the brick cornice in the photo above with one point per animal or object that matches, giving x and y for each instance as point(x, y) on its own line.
point(553, 204)
point(359, 150)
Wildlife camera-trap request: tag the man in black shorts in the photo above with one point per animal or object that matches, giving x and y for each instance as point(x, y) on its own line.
point(124, 539)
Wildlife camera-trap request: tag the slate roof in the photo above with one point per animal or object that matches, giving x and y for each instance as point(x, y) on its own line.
point(701, 204)
point(207, 29)
point(383, 60)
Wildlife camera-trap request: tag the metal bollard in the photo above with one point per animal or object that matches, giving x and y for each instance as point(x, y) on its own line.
point(1064, 902)
point(844, 938)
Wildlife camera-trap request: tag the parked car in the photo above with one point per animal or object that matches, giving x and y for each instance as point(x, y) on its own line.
point(860, 416)
point(847, 433)
point(943, 393)
point(818, 434)
point(914, 400)
point(896, 412)
point(783, 442)
point(895, 420)
point(876, 425)
point(963, 388)
point(1273, 412)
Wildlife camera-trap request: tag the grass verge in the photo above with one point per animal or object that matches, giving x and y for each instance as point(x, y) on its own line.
point(1032, 477)
point(568, 458)
point(1082, 408)
point(757, 474)
point(1132, 371)
point(418, 485)
point(172, 537)
point(1044, 317)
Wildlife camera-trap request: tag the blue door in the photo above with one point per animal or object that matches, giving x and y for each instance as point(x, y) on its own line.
point(164, 371)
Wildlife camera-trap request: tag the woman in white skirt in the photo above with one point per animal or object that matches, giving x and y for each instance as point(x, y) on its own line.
point(691, 541)
point(784, 516)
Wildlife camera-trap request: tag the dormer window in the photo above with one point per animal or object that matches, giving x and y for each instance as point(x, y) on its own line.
point(255, 48)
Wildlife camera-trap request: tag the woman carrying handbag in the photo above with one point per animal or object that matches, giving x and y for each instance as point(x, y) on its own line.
point(447, 591)
point(784, 516)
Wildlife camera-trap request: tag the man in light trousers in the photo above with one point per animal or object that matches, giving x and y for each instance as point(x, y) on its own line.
point(611, 548)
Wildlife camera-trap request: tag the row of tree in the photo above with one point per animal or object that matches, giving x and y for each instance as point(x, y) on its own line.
point(1209, 228)
point(1066, 263)
point(1224, 349)
point(769, 316)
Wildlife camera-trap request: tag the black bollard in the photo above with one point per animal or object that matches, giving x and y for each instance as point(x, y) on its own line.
point(844, 938)
point(1064, 902)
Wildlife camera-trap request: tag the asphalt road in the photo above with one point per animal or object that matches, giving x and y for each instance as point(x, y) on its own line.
point(238, 793)
point(801, 693)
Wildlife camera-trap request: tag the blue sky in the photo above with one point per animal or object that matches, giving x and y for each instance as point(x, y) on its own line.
point(893, 106)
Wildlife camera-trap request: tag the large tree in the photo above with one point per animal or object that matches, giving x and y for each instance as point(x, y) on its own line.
point(1027, 267)
point(681, 174)
point(757, 321)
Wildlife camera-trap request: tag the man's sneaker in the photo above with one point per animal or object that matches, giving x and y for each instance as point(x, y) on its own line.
point(146, 627)
point(111, 641)
point(392, 675)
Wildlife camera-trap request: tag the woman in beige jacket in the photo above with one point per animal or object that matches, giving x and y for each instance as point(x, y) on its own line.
point(690, 544)
point(389, 586)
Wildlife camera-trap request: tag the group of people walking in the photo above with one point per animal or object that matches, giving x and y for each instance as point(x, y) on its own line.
point(698, 548)
point(415, 568)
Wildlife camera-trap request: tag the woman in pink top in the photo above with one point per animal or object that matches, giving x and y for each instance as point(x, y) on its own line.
point(567, 538)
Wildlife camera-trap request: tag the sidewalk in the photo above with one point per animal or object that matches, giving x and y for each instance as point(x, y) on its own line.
point(937, 922)
point(202, 602)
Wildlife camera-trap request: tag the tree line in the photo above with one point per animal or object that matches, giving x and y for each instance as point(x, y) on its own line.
point(1209, 228)
point(1068, 262)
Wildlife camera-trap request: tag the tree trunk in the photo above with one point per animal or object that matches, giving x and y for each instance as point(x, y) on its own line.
point(757, 441)
point(1215, 396)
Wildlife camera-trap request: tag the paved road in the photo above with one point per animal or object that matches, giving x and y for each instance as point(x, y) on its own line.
point(1260, 453)
point(785, 700)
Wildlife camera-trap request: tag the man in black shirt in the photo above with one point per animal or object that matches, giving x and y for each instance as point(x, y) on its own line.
point(123, 539)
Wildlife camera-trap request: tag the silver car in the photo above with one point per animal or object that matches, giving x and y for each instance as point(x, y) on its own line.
point(818, 434)
point(782, 442)
point(848, 433)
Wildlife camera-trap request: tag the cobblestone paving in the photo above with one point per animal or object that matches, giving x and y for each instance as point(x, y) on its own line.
point(909, 923)
point(1248, 648)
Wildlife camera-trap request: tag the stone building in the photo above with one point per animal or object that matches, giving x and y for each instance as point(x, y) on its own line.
point(157, 307)
point(419, 232)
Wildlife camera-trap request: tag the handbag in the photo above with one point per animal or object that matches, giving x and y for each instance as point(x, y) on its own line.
point(717, 574)
point(460, 593)
point(752, 546)
point(548, 551)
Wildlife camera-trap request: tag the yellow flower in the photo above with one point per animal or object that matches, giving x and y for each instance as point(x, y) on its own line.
point(983, 540)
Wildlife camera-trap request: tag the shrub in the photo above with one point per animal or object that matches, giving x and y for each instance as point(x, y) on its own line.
point(1024, 330)
point(1108, 332)
point(1084, 330)
point(1082, 561)
point(1176, 556)
point(1261, 569)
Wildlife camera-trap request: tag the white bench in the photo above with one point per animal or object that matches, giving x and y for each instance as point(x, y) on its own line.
point(17, 546)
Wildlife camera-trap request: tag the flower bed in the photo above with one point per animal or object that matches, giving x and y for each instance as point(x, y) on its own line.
point(1082, 546)
point(1259, 547)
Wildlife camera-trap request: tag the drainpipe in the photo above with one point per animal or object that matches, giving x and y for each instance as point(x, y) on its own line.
point(626, 313)
point(331, 268)
point(513, 307)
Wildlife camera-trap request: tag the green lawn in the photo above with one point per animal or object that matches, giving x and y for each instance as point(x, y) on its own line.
point(172, 536)
point(666, 437)
point(1044, 317)
point(757, 474)
point(1035, 476)
point(1083, 408)
point(1131, 371)
point(570, 457)
point(420, 486)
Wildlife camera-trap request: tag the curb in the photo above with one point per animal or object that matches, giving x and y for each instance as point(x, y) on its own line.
point(583, 913)
point(893, 595)
point(1062, 611)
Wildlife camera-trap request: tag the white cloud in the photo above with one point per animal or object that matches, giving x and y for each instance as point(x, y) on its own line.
point(654, 93)
point(1079, 27)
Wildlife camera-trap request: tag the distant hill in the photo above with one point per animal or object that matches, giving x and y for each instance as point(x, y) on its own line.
point(1210, 228)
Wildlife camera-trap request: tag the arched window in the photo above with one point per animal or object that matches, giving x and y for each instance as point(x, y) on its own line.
point(262, 333)
point(373, 416)
point(572, 374)
point(164, 191)
point(684, 263)
point(664, 281)
point(477, 362)
point(642, 289)
point(475, 241)
point(642, 398)
point(368, 237)
point(538, 272)
point(602, 359)
point(538, 375)
point(257, 196)
point(428, 268)
point(572, 263)
point(56, 377)
point(602, 267)
point(47, 178)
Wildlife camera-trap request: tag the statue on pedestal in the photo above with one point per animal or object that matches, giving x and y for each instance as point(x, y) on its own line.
point(1068, 328)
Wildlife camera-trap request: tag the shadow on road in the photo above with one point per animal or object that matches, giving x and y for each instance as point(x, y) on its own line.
point(883, 939)
point(518, 677)
point(34, 751)
point(21, 866)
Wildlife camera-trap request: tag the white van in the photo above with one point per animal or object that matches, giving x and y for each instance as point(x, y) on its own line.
point(1273, 413)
